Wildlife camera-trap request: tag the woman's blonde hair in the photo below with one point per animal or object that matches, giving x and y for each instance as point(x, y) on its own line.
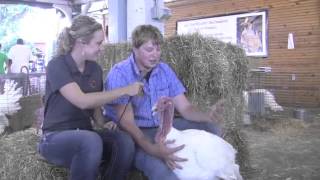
point(83, 28)
point(143, 33)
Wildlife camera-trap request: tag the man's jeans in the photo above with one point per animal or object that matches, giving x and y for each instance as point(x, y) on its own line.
point(116, 157)
point(81, 151)
point(153, 167)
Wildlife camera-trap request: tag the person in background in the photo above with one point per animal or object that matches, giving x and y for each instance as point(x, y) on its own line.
point(20, 54)
point(72, 104)
point(134, 114)
point(3, 61)
point(8, 66)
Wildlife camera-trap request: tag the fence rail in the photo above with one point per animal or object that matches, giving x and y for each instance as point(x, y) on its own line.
point(31, 83)
point(289, 89)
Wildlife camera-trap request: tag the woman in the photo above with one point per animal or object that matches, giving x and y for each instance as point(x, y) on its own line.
point(73, 97)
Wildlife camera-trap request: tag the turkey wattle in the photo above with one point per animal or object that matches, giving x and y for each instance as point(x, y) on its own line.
point(209, 156)
point(9, 102)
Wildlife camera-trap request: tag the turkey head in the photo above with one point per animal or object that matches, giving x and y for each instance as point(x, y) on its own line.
point(165, 111)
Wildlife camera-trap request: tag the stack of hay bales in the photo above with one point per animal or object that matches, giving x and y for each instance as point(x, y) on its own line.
point(112, 54)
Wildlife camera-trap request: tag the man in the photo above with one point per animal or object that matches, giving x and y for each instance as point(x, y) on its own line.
point(134, 115)
point(3, 60)
point(20, 55)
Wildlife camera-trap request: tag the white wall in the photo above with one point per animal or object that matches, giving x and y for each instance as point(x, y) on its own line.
point(125, 15)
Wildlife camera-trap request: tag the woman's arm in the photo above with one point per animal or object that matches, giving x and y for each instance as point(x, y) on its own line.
point(77, 97)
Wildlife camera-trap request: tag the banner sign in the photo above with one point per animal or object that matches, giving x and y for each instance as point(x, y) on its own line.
point(247, 30)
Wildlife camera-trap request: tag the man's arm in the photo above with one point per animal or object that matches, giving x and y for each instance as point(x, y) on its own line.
point(191, 112)
point(128, 124)
point(159, 150)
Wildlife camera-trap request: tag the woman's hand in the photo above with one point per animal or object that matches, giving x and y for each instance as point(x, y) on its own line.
point(110, 125)
point(134, 89)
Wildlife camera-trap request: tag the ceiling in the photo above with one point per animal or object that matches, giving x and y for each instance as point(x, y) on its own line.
point(74, 4)
point(48, 3)
point(97, 6)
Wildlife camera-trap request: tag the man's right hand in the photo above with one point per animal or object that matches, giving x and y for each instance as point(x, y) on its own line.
point(216, 111)
point(167, 154)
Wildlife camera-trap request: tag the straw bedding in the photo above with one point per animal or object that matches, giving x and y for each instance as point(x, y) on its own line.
point(19, 159)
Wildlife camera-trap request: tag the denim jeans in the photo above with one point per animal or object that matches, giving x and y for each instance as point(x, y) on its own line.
point(84, 151)
point(118, 159)
point(153, 167)
point(78, 150)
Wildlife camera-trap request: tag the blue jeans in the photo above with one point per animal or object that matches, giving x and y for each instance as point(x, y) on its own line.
point(153, 167)
point(82, 152)
point(117, 159)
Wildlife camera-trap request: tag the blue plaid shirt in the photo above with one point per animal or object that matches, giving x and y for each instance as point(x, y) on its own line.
point(162, 82)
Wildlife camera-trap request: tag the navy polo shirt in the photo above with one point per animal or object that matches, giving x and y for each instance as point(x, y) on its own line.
point(60, 114)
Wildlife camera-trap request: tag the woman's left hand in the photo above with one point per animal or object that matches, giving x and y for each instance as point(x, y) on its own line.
point(110, 125)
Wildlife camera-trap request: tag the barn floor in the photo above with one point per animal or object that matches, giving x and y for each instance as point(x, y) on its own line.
point(285, 149)
point(280, 149)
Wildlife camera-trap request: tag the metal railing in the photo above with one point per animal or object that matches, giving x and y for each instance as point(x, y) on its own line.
point(31, 83)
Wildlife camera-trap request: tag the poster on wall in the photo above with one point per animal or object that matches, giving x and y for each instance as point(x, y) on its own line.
point(246, 30)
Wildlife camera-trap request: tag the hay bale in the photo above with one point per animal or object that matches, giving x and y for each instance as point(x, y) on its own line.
point(199, 64)
point(25, 117)
point(210, 69)
point(112, 54)
point(19, 159)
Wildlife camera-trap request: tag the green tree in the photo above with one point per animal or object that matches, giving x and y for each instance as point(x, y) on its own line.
point(10, 17)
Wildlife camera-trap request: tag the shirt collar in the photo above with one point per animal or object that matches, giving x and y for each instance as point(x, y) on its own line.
point(134, 65)
point(73, 67)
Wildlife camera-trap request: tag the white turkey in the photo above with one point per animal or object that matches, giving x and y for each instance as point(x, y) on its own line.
point(209, 156)
point(9, 102)
point(269, 99)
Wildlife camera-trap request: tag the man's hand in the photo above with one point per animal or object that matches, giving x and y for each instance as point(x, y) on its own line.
point(110, 125)
point(216, 111)
point(167, 154)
